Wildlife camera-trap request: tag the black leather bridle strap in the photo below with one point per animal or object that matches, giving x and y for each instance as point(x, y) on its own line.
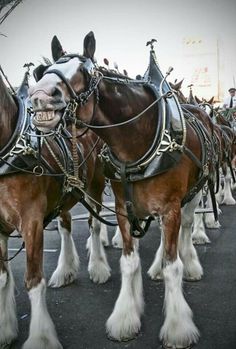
point(63, 78)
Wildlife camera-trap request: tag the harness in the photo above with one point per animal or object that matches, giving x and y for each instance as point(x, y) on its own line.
point(168, 144)
point(25, 152)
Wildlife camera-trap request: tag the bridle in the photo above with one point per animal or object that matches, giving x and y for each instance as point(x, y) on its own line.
point(83, 97)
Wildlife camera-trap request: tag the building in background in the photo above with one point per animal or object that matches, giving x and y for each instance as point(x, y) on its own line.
point(202, 67)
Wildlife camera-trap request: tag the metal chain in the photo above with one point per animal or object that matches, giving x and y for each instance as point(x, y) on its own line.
point(75, 155)
point(71, 180)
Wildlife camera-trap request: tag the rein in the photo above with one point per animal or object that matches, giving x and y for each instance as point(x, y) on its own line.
point(11, 258)
point(136, 117)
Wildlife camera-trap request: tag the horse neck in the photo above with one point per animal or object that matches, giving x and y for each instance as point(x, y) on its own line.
point(181, 98)
point(118, 103)
point(221, 121)
point(8, 111)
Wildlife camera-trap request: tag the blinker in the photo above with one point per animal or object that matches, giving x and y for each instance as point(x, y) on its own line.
point(89, 66)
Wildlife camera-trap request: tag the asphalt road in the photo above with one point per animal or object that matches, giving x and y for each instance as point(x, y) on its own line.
point(80, 310)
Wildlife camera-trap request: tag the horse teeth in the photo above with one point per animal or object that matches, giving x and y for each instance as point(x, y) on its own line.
point(44, 116)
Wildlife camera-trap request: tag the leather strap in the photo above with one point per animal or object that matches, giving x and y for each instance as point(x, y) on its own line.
point(135, 228)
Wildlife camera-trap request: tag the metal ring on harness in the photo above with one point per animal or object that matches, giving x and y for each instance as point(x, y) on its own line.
point(35, 171)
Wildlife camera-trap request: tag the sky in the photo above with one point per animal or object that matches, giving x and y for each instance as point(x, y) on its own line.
point(122, 29)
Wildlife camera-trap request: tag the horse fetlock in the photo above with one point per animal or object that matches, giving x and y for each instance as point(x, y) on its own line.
point(3, 279)
point(99, 270)
point(155, 272)
point(104, 235)
point(228, 201)
point(9, 336)
point(180, 333)
point(193, 271)
point(201, 240)
point(199, 237)
point(42, 342)
point(117, 241)
point(62, 277)
point(123, 327)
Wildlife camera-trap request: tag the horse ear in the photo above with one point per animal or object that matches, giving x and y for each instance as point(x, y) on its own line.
point(89, 45)
point(57, 50)
point(38, 72)
point(211, 101)
point(178, 85)
point(198, 100)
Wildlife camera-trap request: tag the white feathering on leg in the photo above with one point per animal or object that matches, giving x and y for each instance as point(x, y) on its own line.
point(68, 262)
point(199, 235)
point(124, 322)
point(178, 330)
point(8, 319)
point(42, 331)
point(98, 267)
point(117, 241)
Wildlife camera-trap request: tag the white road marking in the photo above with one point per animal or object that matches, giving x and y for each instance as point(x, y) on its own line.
point(45, 250)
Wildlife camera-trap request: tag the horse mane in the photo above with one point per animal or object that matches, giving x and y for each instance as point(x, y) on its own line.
point(111, 73)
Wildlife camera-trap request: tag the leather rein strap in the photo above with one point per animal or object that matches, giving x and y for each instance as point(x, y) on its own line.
point(136, 230)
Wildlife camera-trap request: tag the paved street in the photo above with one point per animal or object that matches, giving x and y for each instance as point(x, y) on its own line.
point(79, 311)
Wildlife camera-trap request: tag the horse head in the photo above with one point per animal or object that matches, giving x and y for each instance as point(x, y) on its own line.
point(68, 80)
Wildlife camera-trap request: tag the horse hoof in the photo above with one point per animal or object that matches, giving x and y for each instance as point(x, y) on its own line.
point(168, 346)
point(125, 339)
point(192, 279)
point(201, 241)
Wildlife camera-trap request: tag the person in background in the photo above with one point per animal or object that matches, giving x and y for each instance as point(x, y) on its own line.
point(230, 101)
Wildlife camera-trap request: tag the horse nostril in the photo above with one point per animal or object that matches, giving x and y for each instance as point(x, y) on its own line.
point(35, 102)
point(56, 93)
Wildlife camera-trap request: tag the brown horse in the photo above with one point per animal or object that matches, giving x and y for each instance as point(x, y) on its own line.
point(126, 115)
point(27, 203)
point(228, 139)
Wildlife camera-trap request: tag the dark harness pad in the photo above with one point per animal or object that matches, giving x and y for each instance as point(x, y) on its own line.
point(164, 160)
point(155, 76)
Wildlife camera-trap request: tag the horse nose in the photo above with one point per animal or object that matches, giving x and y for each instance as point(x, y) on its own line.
point(42, 99)
point(39, 99)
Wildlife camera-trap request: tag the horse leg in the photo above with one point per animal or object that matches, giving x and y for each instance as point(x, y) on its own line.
point(68, 261)
point(42, 333)
point(228, 197)
point(124, 322)
point(8, 318)
point(220, 194)
point(209, 217)
point(199, 236)
point(117, 241)
point(98, 267)
point(188, 254)
point(155, 271)
point(104, 235)
point(178, 330)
